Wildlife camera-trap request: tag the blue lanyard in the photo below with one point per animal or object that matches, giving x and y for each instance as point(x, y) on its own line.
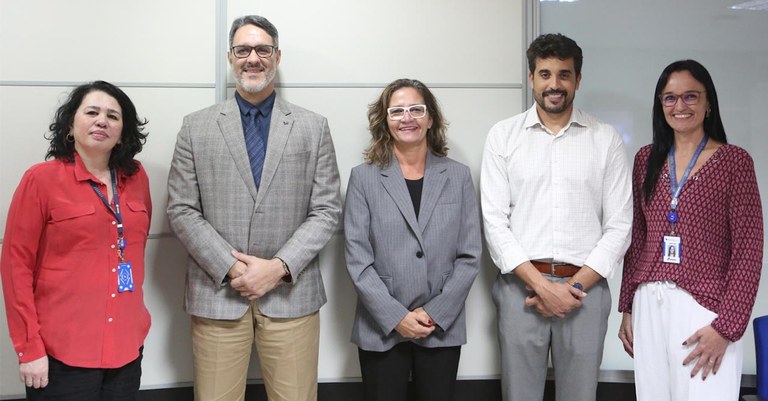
point(121, 243)
point(676, 188)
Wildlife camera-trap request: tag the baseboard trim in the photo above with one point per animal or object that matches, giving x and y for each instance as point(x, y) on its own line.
point(351, 390)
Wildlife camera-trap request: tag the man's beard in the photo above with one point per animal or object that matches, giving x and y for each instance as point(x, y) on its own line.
point(542, 102)
point(257, 87)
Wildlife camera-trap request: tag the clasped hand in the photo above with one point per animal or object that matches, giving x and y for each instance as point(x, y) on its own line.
point(254, 277)
point(416, 324)
point(555, 299)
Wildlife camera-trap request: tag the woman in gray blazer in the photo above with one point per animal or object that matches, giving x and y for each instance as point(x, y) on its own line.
point(413, 247)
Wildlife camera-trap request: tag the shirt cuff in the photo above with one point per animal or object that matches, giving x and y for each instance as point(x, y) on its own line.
point(601, 263)
point(31, 351)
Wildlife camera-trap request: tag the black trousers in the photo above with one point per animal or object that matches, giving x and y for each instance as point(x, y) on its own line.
point(70, 383)
point(432, 371)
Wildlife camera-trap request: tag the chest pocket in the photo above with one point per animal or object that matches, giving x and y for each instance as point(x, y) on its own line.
point(64, 213)
point(71, 228)
point(139, 219)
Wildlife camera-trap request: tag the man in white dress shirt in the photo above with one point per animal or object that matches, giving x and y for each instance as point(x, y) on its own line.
point(557, 207)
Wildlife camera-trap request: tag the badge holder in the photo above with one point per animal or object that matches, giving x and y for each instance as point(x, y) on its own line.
point(672, 249)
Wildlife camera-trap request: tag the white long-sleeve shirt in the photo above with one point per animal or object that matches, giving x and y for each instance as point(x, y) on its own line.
point(565, 196)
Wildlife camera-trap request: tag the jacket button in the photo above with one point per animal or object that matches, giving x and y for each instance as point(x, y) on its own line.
point(419, 254)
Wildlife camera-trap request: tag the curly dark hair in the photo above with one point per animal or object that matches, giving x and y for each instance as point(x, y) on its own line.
point(379, 152)
point(554, 45)
point(664, 136)
point(132, 138)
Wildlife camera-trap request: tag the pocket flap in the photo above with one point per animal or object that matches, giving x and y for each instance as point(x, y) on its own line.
point(137, 206)
point(71, 212)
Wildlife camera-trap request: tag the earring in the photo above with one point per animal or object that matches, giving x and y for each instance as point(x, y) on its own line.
point(70, 137)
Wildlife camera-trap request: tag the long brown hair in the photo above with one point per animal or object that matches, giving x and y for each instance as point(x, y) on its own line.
point(379, 152)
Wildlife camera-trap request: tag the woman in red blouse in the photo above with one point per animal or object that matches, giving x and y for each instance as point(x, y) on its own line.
point(73, 254)
point(695, 197)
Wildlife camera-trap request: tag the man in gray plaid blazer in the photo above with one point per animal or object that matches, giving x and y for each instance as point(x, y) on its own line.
point(253, 231)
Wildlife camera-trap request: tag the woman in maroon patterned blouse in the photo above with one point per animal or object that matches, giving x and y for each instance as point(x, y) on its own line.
point(685, 312)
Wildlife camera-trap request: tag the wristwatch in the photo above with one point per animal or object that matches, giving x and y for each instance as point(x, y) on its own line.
point(577, 285)
point(287, 275)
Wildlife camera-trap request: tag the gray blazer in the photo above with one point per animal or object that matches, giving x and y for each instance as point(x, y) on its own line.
point(398, 264)
point(214, 206)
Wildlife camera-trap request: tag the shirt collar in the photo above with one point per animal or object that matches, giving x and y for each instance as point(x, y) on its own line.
point(82, 173)
point(265, 107)
point(532, 119)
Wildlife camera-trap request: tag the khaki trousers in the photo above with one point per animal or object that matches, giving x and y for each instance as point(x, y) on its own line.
point(287, 349)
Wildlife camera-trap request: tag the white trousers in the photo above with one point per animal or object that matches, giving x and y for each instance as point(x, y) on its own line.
point(663, 316)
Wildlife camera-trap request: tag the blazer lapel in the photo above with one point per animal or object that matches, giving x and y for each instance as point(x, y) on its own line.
point(231, 127)
point(394, 183)
point(279, 130)
point(434, 181)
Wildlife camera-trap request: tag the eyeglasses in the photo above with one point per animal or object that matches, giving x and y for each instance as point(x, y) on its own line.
point(415, 111)
point(263, 51)
point(690, 98)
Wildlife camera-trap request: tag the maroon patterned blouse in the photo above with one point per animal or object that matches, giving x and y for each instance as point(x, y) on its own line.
point(721, 231)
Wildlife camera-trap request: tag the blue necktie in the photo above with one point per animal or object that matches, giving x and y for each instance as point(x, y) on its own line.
point(255, 145)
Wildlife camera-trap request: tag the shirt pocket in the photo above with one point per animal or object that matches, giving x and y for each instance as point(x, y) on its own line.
point(65, 213)
point(72, 228)
point(137, 222)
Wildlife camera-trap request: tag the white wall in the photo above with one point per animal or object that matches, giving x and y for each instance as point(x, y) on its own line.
point(337, 56)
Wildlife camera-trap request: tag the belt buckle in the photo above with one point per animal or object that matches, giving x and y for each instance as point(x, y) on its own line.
point(554, 266)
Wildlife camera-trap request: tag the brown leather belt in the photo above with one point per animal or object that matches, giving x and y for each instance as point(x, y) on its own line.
point(556, 269)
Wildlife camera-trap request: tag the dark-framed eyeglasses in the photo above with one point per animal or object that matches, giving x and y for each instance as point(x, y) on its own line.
point(690, 98)
point(398, 112)
point(263, 51)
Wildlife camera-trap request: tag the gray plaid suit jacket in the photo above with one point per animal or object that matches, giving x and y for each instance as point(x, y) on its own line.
point(398, 263)
point(214, 206)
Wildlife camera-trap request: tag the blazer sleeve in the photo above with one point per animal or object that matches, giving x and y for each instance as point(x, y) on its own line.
point(371, 290)
point(324, 209)
point(185, 212)
point(446, 307)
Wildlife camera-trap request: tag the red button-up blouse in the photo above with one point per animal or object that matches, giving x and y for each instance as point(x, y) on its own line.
point(59, 267)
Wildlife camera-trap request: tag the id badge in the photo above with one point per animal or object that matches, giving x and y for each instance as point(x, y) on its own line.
point(124, 277)
point(672, 249)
